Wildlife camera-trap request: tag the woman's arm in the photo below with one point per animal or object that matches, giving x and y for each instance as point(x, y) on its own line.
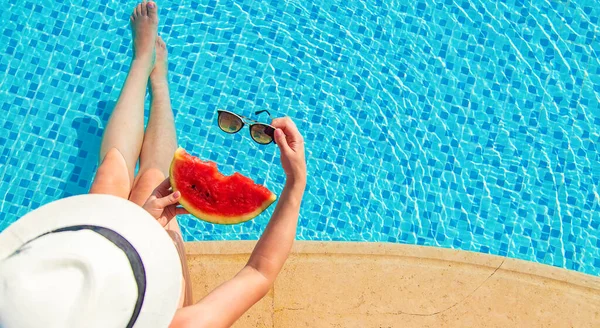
point(274, 246)
point(223, 306)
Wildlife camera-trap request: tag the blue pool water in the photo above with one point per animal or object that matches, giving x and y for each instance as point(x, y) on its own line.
point(460, 124)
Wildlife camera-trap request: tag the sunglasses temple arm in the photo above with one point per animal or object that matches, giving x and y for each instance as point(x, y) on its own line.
point(264, 111)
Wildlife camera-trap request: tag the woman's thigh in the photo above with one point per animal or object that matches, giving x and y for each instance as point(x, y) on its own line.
point(143, 185)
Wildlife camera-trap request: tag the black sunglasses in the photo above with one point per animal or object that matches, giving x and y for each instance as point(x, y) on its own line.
point(260, 132)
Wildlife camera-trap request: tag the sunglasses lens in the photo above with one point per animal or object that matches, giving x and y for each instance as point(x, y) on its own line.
point(229, 122)
point(263, 134)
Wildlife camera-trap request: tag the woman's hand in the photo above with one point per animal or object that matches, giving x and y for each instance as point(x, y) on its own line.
point(162, 204)
point(291, 145)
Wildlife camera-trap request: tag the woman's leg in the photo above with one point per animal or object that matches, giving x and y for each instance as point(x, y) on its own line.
point(124, 132)
point(160, 140)
point(160, 143)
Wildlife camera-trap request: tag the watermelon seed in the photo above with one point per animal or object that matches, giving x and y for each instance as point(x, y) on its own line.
point(194, 187)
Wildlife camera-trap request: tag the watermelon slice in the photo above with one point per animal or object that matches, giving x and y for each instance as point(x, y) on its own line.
point(211, 196)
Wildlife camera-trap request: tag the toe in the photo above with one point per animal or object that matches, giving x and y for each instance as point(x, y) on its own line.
point(132, 18)
point(160, 41)
point(144, 8)
point(152, 10)
point(138, 10)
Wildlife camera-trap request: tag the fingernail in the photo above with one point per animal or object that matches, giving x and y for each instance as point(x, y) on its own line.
point(278, 133)
point(177, 194)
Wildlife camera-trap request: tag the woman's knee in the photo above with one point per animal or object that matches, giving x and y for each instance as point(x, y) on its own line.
point(145, 183)
point(149, 177)
point(112, 176)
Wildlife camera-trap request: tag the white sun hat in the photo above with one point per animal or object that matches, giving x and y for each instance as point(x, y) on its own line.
point(88, 261)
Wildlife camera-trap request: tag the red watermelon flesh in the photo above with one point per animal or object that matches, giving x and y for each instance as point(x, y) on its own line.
point(211, 196)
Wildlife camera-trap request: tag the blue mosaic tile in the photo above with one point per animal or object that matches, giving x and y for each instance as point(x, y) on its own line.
point(455, 124)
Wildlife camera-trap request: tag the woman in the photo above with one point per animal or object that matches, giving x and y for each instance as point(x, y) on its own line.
point(96, 260)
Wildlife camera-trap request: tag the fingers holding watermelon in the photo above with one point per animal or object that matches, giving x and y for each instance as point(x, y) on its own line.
point(172, 199)
point(291, 145)
point(162, 204)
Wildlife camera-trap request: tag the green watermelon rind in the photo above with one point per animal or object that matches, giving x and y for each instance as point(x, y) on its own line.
point(217, 219)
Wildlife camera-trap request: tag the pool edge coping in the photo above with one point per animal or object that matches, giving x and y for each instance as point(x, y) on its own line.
point(440, 254)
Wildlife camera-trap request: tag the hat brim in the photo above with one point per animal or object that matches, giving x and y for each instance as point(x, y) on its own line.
point(155, 247)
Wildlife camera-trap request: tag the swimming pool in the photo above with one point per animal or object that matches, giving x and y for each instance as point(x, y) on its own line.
point(457, 124)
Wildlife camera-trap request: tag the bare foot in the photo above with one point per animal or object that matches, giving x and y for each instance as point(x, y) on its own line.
point(160, 64)
point(144, 25)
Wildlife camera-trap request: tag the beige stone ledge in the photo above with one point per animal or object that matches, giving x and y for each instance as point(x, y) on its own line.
point(394, 285)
